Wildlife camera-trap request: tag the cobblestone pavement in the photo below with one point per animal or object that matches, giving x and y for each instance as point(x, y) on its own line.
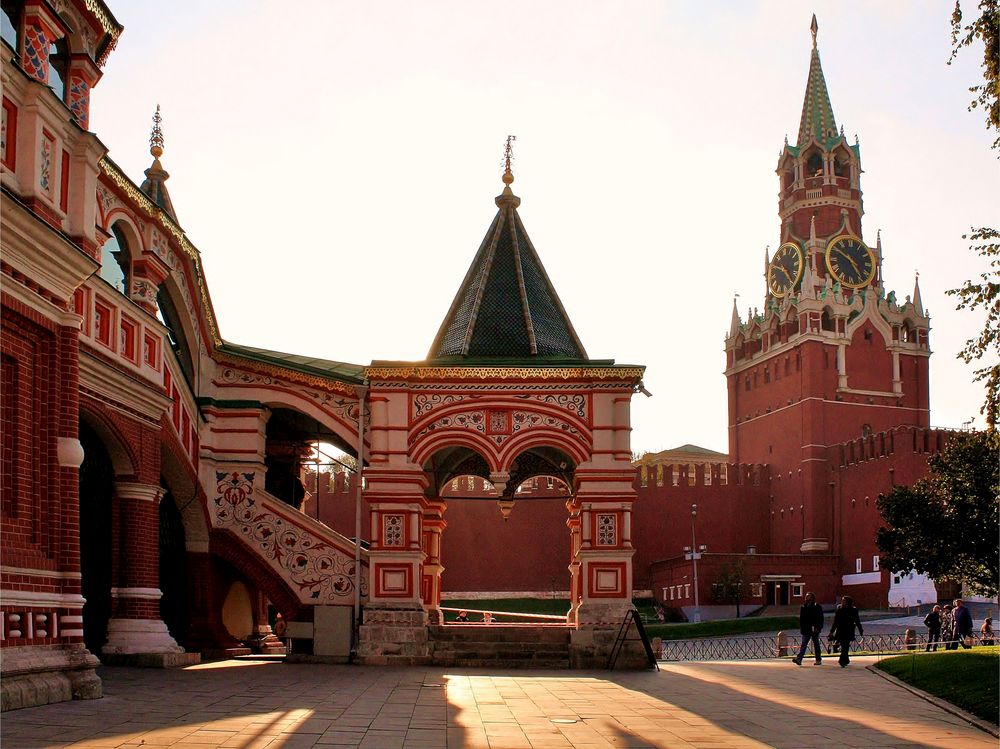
point(258, 703)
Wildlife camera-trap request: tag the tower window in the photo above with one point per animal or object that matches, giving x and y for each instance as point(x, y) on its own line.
point(10, 16)
point(57, 68)
point(116, 261)
point(814, 166)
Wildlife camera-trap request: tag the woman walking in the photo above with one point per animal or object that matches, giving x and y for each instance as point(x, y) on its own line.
point(845, 620)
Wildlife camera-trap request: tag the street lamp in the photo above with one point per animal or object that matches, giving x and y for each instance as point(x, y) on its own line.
point(693, 553)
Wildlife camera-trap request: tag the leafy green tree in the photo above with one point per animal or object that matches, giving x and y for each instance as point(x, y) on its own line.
point(947, 524)
point(984, 294)
point(985, 27)
point(731, 584)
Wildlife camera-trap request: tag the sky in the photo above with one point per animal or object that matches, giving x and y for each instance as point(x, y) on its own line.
point(336, 167)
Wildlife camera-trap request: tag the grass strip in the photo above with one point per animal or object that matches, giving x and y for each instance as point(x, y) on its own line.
point(966, 678)
point(724, 627)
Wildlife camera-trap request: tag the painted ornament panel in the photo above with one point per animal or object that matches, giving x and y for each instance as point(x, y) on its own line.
point(317, 570)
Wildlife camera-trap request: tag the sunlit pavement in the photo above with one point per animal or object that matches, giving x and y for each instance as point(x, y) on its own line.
point(255, 704)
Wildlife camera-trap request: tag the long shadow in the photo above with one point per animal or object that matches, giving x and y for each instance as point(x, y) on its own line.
point(257, 704)
point(245, 704)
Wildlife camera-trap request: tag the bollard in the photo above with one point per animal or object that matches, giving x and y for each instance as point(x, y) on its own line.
point(910, 638)
point(782, 642)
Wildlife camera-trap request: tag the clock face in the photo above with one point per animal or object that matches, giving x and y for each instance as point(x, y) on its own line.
point(850, 261)
point(785, 269)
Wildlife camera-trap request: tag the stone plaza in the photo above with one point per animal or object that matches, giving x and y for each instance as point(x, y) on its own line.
point(260, 703)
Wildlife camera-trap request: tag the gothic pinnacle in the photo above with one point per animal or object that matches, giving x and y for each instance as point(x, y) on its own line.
point(814, 28)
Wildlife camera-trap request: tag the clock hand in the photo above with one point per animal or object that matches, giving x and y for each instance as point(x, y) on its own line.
point(853, 264)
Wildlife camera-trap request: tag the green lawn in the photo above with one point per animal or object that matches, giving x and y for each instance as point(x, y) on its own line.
point(966, 678)
point(724, 627)
point(558, 606)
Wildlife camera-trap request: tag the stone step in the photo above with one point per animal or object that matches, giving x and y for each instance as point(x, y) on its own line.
point(451, 633)
point(500, 663)
point(519, 654)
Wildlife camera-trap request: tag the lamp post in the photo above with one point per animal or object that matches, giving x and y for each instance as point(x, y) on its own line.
point(693, 553)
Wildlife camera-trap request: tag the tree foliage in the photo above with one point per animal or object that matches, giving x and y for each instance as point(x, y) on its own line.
point(985, 27)
point(947, 524)
point(731, 584)
point(985, 294)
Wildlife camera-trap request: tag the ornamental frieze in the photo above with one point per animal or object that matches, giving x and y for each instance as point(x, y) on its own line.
point(469, 420)
point(522, 420)
point(478, 421)
point(318, 571)
point(424, 404)
point(575, 403)
point(277, 376)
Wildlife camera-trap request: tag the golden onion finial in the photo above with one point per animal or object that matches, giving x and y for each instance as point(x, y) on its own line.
point(156, 135)
point(508, 156)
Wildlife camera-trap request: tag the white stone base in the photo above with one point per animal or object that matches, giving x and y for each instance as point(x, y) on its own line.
point(135, 636)
point(40, 675)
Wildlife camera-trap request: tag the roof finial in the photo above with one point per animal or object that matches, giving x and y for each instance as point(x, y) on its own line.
point(814, 28)
point(508, 155)
point(156, 136)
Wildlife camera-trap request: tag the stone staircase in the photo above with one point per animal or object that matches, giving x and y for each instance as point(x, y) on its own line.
point(499, 646)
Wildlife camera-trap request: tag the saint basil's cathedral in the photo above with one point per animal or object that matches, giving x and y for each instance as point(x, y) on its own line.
point(156, 502)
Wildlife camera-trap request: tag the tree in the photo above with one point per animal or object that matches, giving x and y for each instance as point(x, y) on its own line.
point(731, 584)
point(947, 524)
point(985, 27)
point(986, 295)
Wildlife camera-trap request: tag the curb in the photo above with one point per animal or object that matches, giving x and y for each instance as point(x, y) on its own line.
point(948, 707)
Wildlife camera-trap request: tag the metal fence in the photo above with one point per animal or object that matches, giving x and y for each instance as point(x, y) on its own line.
point(758, 648)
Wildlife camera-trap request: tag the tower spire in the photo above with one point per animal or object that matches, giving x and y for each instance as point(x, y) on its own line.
point(156, 135)
point(508, 196)
point(156, 176)
point(817, 112)
point(918, 304)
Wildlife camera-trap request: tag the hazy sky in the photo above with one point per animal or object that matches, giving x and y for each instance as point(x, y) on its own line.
point(336, 167)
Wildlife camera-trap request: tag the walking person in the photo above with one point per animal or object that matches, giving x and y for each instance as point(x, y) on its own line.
point(845, 621)
point(810, 625)
point(947, 628)
point(963, 624)
point(933, 623)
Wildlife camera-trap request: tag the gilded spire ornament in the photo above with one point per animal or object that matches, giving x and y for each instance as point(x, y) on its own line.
point(508, 156)
point(156, 135)
point(814, 28)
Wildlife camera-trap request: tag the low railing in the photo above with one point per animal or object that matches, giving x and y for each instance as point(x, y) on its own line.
point(758, 648)
point(491, 618)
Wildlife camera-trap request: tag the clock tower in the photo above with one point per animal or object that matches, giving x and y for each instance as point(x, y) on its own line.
point(832, 356)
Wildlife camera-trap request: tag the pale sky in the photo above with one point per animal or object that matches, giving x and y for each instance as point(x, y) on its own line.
point(336, 167)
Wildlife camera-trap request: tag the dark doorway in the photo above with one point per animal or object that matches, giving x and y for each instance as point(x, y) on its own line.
point(777, 594)
point(173, 570)
point(96, 488)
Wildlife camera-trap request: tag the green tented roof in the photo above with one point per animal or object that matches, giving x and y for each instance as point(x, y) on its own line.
point(817, 113)
point(507, 308)
point(310, 365)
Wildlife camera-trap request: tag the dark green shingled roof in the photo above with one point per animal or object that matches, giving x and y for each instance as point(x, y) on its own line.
point(305, 364)
point(507, 307)
point(817, 112)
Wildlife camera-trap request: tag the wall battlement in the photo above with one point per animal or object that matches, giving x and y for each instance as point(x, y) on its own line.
point(904, 439)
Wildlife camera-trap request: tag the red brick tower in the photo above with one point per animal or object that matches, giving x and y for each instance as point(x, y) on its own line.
point(831, 356)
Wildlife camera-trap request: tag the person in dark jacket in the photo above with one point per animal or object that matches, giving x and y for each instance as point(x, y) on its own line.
point(963, 624)
point(845, 620)
point(933, 623)
point(810, 625)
